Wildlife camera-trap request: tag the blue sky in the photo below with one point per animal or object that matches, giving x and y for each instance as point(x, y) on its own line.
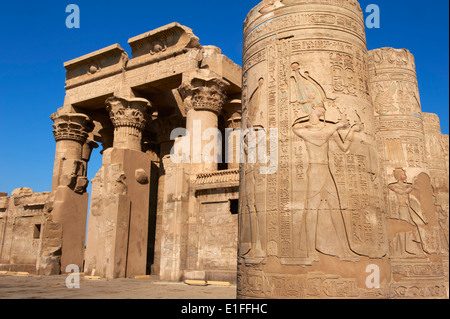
point(35, 43)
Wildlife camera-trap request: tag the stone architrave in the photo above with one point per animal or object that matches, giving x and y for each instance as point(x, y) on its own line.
point(318, 220)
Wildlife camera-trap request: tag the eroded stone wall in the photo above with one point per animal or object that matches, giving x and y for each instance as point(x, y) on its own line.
point(30, 240)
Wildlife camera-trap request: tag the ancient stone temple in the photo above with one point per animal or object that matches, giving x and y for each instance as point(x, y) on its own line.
point(357, 190)
point(149, 213)
point(310, 172)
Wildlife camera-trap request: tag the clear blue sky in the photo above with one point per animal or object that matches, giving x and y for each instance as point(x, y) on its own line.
point(34, 44)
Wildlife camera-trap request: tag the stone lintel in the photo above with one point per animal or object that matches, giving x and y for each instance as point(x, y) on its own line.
point(113, 84)
point(215, 61)
point(93, 66)
point(160, 58)
point(169, 38)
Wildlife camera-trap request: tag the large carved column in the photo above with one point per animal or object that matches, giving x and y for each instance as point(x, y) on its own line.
point(403, 141)
point(70, 200)
point(395, 94)
point(436, 151)
point(203, 93)
point(119, 215)
point(310, 229)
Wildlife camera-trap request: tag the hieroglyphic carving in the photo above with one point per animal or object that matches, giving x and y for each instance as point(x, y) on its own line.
point(404, 123)
point(368, 232)
point(284, 181)
point(343, 73)
point(349, 212)
point(311, 285)
point(273, 233)
point(258, 57)
point(394, 84)
point(346, 23)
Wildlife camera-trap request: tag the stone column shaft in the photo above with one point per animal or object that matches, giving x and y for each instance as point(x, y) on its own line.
point(204, 96)
point(71, 132)
point(69, 185)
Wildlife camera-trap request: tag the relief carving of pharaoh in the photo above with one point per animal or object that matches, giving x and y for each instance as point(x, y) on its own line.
point(322, 196)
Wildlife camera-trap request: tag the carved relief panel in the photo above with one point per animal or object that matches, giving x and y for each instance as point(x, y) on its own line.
point(324, 199)
point(393, 82)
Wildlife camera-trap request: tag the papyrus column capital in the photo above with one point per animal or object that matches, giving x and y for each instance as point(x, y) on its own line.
point(71, 126)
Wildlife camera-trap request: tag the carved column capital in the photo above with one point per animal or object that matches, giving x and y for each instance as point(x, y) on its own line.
point(204, 93)
point(71, 126)
point(129, 120)
point(128, 113)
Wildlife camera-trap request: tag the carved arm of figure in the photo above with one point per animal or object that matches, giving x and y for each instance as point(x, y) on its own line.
point(318, 138)
point(344, 144)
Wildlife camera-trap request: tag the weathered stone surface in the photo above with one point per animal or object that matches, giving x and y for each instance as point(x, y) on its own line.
point(357, 190)
point(141, 176)
point(28, 242)
point(341, 200)
point(118, 223)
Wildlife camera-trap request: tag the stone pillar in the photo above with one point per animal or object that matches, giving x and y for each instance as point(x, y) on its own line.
point(233, 114)
point(436, 151)
point(400, 134)
point(203, 93)
point(69, 197)
point(165, 126)
point(71, 132)
point(409, 182)
point(305, 230)
point(119, 216)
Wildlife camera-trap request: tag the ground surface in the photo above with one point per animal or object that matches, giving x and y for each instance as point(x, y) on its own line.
point(39, 287)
